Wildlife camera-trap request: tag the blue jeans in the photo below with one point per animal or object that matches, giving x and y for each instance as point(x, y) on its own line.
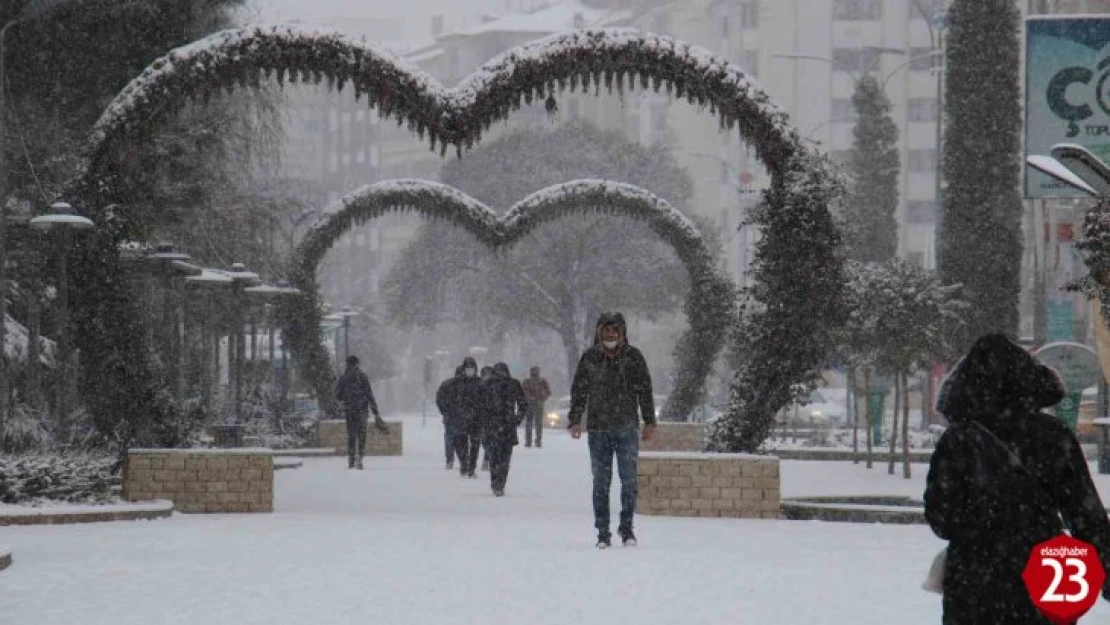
point(449, 443)
point(624, 443)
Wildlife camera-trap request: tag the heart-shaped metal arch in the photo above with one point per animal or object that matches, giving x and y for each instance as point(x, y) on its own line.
point(784, 342)
point(709, 305)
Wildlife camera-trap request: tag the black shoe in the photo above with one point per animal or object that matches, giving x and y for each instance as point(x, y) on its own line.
point(358, 465)
point(499, 492)
point(539, 445)
point(449, 466)
point(472, 475)
point(604, 541)
point(527, 444)
point(628, 539)
point(350, 464)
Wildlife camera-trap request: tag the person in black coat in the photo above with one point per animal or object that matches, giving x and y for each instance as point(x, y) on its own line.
point(445, 401)
point(470, 395)
point(1000, 481)
point(486, 406)
point(507, 409)
point(353, 390)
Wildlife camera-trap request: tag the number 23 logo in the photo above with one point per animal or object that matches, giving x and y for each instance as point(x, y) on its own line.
point(1079, 577)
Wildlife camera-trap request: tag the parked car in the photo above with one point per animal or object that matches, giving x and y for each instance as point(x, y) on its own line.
point(815, 409)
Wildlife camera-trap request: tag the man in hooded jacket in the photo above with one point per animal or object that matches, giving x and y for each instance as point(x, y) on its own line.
point(460, 403)
point(507, 407)
point(446, 403)
point(1000, 481)
point(612, 386)
point(353, 390)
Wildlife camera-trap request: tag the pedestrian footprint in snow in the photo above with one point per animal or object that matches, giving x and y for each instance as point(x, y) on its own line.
point(612, 386)
point(1005, 477)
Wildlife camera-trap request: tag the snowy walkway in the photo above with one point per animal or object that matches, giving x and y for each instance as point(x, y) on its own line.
point(405, 542)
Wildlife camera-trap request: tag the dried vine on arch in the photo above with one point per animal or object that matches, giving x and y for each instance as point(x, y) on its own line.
point(709, 306)
point(615, 58)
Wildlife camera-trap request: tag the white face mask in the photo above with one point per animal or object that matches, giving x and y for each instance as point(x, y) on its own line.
point(610, 345)
point(469, 372)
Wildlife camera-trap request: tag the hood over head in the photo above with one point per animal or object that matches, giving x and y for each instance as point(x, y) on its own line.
point(458, 371)
point(502, 370)
point(534, 372)
point(996, 376)
point(470, 362)
point(610, 318)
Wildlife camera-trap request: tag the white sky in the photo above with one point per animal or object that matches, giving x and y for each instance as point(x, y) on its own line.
point(400, 23)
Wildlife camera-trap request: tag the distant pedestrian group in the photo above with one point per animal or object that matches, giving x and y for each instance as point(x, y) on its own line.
point(482, 412)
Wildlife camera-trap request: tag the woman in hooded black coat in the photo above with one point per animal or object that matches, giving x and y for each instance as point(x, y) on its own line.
point(991, 512)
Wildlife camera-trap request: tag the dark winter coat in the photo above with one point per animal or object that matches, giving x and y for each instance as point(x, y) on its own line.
point(459, 400)
point(991, 512)
point(613, 389)
point(506, 407)
point(353, 389)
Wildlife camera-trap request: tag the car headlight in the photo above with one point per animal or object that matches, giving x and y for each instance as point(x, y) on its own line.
point(815, 413)
point(552, 416)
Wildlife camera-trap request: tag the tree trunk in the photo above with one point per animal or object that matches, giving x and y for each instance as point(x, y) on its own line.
point(34, 368)
point(894, 422)
point(905, 428)
point(867, 418)
point(853, 407)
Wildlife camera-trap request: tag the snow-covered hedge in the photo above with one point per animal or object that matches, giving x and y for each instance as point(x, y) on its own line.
point(709, 307)
point(786, 336)
point(73, 478)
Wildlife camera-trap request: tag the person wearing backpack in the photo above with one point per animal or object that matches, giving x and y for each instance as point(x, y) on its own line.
point(1003, 478)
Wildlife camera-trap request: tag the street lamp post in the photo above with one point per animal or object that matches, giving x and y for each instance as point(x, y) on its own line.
point(347, 313)
point(209, 279)
point(63, 218)
point(269, 293)
point(170, 266)
point(241, 279)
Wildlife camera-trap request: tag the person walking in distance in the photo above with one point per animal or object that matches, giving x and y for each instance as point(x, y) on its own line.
point(446, 402)
point(486, 406)
point(469, 395)
point(612, 388)
point(354, 392)
point(508, 407)
point(536, 391)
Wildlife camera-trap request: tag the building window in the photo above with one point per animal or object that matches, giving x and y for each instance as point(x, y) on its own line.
point(749, 15)
point(842, 110)
point(853, 59)
point(841, 157)
point(924, 60)
point(724, 27)
point(923, 161)
point(749, 62)
point(925, 9)
point(921, 212)
point(923, 110)
point(857, 10)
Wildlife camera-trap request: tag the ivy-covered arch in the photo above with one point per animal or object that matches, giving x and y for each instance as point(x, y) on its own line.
point(794, 209)
point(709, 306)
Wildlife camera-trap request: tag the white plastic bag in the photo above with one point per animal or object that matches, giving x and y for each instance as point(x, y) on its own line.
point(934, 579)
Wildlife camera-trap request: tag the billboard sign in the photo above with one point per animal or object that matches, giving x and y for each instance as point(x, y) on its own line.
point(1067, 92)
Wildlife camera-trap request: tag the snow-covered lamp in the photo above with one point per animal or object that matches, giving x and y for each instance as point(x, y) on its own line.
point(61, 215)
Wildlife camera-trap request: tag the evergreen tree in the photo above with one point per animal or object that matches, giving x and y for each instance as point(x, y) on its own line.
point(980, 243)
point(871, 232)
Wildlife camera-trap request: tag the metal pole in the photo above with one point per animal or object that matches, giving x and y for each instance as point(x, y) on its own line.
point(63, 340)
point(179, 324)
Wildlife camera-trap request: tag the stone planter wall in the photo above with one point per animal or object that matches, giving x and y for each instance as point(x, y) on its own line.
point(671, 436)
point(202, 480)
point(5, 558)
point(709, 485)
point(333, 435)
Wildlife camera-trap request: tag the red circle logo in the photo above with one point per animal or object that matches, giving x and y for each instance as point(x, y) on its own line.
point(1064, 577)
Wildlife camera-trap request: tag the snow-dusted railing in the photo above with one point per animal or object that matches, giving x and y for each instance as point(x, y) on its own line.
point(709, 306)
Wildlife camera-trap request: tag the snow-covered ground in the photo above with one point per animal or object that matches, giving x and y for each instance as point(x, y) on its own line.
point(406, 542)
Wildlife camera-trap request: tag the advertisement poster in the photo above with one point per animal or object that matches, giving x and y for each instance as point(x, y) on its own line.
point(1067, 92)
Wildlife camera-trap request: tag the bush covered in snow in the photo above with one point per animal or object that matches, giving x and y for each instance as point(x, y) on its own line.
point(77, 478)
